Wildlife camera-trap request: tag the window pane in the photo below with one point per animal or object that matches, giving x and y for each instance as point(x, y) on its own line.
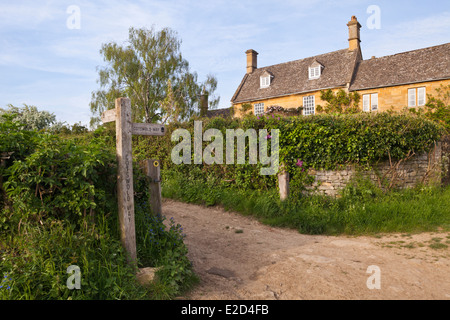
point(411, 97)
point(421, 96)
point(374, 101)
point(308, 105)
point(314, 72)
point(258, 108)
point(366, 102)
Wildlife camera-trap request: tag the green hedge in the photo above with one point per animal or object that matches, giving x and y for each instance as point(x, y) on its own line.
point(320, 142)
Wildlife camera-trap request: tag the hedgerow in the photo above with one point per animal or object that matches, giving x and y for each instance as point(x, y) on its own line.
point(326, 141)
point(59, 209)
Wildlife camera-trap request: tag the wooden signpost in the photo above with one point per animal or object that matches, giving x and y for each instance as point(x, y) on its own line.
point(124, 131)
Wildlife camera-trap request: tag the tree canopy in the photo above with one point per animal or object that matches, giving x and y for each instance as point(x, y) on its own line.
point(150, 70)
point(30, 117)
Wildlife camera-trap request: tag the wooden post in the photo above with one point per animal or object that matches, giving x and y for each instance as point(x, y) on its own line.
point(283, 183)
point(152, 169)
point(125, 190)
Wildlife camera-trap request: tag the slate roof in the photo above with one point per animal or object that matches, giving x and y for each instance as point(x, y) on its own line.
point(293, 77)
point(432, 63)
point(225, 113)
point(344, 67)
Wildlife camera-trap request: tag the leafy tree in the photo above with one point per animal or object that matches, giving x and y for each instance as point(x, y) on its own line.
point(151, 71)
point(339, 102)
point(30, 116)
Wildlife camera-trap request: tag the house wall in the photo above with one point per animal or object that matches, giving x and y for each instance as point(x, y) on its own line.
point(396, 97)
point(389, 98)
point(287, 102)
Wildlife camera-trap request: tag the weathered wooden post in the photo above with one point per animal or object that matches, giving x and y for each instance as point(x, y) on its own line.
point(283, 183)
point(125, 128)
point(125, 191)
point(153, 172)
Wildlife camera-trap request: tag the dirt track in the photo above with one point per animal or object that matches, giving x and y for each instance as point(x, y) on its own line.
point(237, 257)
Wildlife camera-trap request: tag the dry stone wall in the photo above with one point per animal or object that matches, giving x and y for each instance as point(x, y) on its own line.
point(429, 168)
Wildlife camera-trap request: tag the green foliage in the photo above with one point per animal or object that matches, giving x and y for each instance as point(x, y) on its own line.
point(320, 142)
point(30, 117)
point(60, 179)
point(362, 208)
point(437, 107)
point(148, 70)
point(339, 102)
point(37, 262)
point(61, 210)
point(246, 107)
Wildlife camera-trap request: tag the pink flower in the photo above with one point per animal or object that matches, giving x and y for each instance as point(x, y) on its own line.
point(299, 163)
point(268, 137)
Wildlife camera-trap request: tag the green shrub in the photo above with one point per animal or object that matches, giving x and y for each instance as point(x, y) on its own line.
point(325, 141)
point(61, 209)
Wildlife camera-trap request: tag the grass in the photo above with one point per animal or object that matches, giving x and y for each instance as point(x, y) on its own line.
point(35, 261)
point(361, 209)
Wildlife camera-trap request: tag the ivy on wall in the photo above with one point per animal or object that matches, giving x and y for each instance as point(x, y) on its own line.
point(325, 141)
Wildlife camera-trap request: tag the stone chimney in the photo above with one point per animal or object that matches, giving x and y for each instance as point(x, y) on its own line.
point(353, 34)
point(252, 63)
point(203, 104)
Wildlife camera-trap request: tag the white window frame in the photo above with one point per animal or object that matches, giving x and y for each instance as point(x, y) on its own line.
point(412, 97)
point(314, 72)
point(309, 105)
point(374, 102)
point(366, 102)
point(258, 108)
point(370, 102)
point(417, 97)
point(421, 96)
point(264, 81)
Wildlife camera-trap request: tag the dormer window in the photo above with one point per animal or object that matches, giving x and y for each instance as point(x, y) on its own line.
point(314, 73)
point(315, 70)
point(265, 79)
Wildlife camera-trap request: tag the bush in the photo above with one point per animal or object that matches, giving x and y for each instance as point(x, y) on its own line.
point(61, 209)
point(325, 141)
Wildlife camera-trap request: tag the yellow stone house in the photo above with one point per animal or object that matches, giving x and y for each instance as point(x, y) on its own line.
point(390, 82)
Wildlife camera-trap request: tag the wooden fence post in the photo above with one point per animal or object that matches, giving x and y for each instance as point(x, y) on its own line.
point(125, 189)
point(283, 183)
point(152, 170)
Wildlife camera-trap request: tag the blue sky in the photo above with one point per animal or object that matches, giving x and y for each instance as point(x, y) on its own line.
point(46, 64)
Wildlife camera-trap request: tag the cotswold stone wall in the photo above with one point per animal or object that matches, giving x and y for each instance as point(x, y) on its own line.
point(428, 168)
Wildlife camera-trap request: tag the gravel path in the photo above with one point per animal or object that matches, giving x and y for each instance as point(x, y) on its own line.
point(239, 258)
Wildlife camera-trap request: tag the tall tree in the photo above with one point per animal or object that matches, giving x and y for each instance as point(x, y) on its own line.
point(149, 69)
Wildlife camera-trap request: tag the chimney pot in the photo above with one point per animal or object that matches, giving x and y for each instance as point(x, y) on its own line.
point(203, 104)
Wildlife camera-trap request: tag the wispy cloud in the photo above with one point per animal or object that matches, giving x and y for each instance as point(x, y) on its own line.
point(405, 36)
point(49, 65)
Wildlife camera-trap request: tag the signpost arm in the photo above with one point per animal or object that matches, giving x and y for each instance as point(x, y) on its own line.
point(125, 177)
